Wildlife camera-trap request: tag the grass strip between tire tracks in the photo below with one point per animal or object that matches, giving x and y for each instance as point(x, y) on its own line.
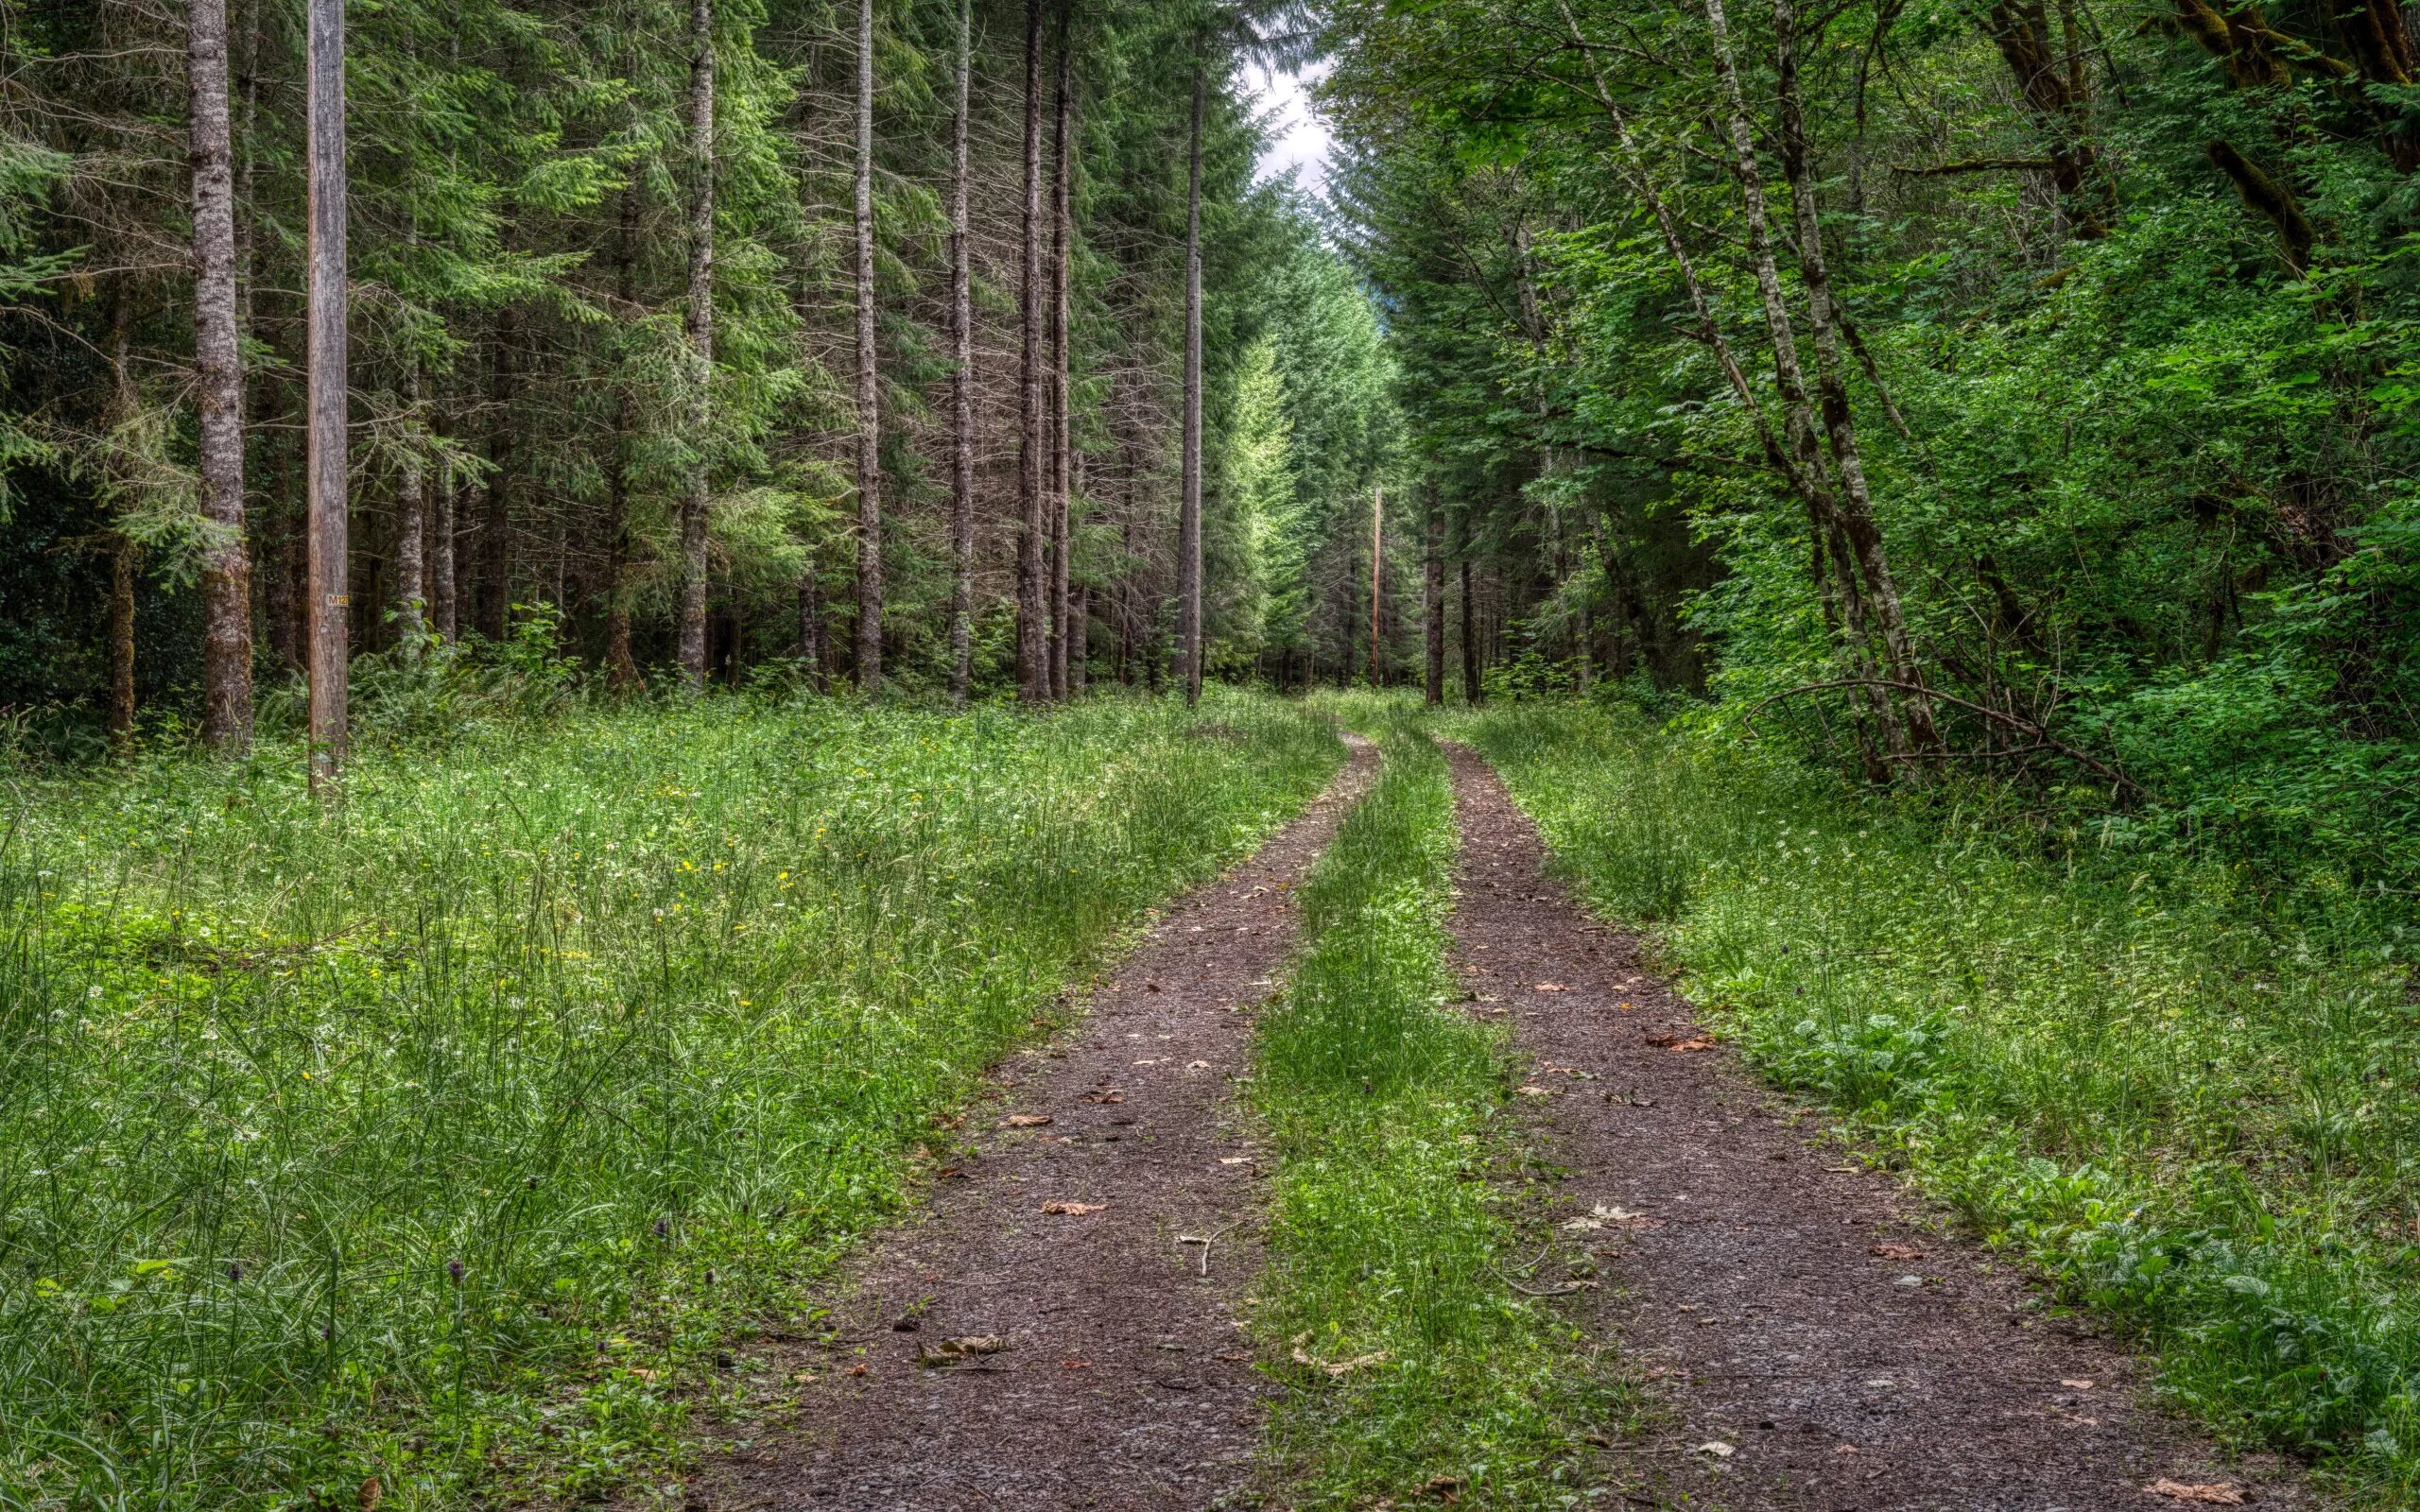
point(1413, 1365)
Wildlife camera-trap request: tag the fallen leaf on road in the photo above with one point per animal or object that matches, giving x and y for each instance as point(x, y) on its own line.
point(1339, 1367)
point(1678, 1041)
point(1530, 1089)
point(1150, 987)
point(1897, 1252)
point(966, 1347)
point(2218, 1494)
point(1024, 1121)
point(1196, 1065)
point(1235, 1159)
point(1552, 986)
point(1700, 1042)
point(1073, 1209)
point(1075, 1365)
point(1716, 1447)
point(1443, 1488)
point(2076, 1385)
point(1107, 1095)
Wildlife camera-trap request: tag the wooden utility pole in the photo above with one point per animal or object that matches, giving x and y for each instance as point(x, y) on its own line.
point(1378, 567)
point(324, 393)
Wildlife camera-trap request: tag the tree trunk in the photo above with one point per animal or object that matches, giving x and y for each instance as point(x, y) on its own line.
point(1433, 602)
point(443, 598)
point(1033, 650)
point(226, 568)
point(495, 604)
point(1079, 642)
point(411, 523)
point(122, 554)
point(962, 382)
point(1839, 425)
point(621, 667)
point(700, 324)
point(325, 407)
point(1188, 520)
point(869, 384)
point(1474, 693)
point(1062, 442)
point(1377, 576)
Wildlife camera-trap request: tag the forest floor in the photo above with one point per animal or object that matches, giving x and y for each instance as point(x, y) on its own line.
point(1808, 1336)
point(1063, 1325)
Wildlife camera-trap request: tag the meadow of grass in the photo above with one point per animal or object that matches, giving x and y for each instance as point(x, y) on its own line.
point(1389, 1304)
point(443, 1138)
point(2196, 1112)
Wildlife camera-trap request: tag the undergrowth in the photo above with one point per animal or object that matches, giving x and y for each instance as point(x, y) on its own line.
point(1412, 1366)
point(440, 1140)
point(2199, 1118)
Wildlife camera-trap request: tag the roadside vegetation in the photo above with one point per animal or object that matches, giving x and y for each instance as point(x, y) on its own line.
point(440, 1141)
point(2192, 1104)
point(1412, 1364)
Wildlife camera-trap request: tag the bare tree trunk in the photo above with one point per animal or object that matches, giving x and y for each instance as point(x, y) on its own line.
point(694, 495)
point(869, 384)
point(122, 554)
point(621, 668)
point(1809, 476)
point(494, 603)
point(1033, 650)
point(1433, 602)
point(1377, 576)
point(325, 449)
point(444, 596)
point(1188, 519)
point(962, 382)
point(1079, 642)
point(411, 523)
point(1474, 693)
point(226, 569)
point(1062, 442)
point(1840, 424)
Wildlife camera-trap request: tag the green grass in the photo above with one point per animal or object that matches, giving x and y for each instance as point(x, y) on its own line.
point(444, 1140)
point(2201, 1119)
point(1391, 1245)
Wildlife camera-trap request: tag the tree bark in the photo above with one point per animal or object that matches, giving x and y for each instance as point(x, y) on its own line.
point(1807, 471)
point(962, 382)
point(700, 329)
point(122, 554)
point(1079, 642)
point(1840, 424)
point(1474, 691)
point(225, 567)
point(1433, 602)
point(1033, 650)
point(1062, 442)
point(325, 408)
point(621, 667)
point(495, 602)
point(411, 522)
point(443, 595)
point(1188, 520)
point(1377, 574)
point(869, 384)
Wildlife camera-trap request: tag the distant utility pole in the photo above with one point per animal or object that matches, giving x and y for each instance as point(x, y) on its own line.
point(324, 434)
point(1377, 559)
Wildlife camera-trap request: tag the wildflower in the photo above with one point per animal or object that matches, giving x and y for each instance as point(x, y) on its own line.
point(663, 1228)
point(454, 1269)
point(235, 1271)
